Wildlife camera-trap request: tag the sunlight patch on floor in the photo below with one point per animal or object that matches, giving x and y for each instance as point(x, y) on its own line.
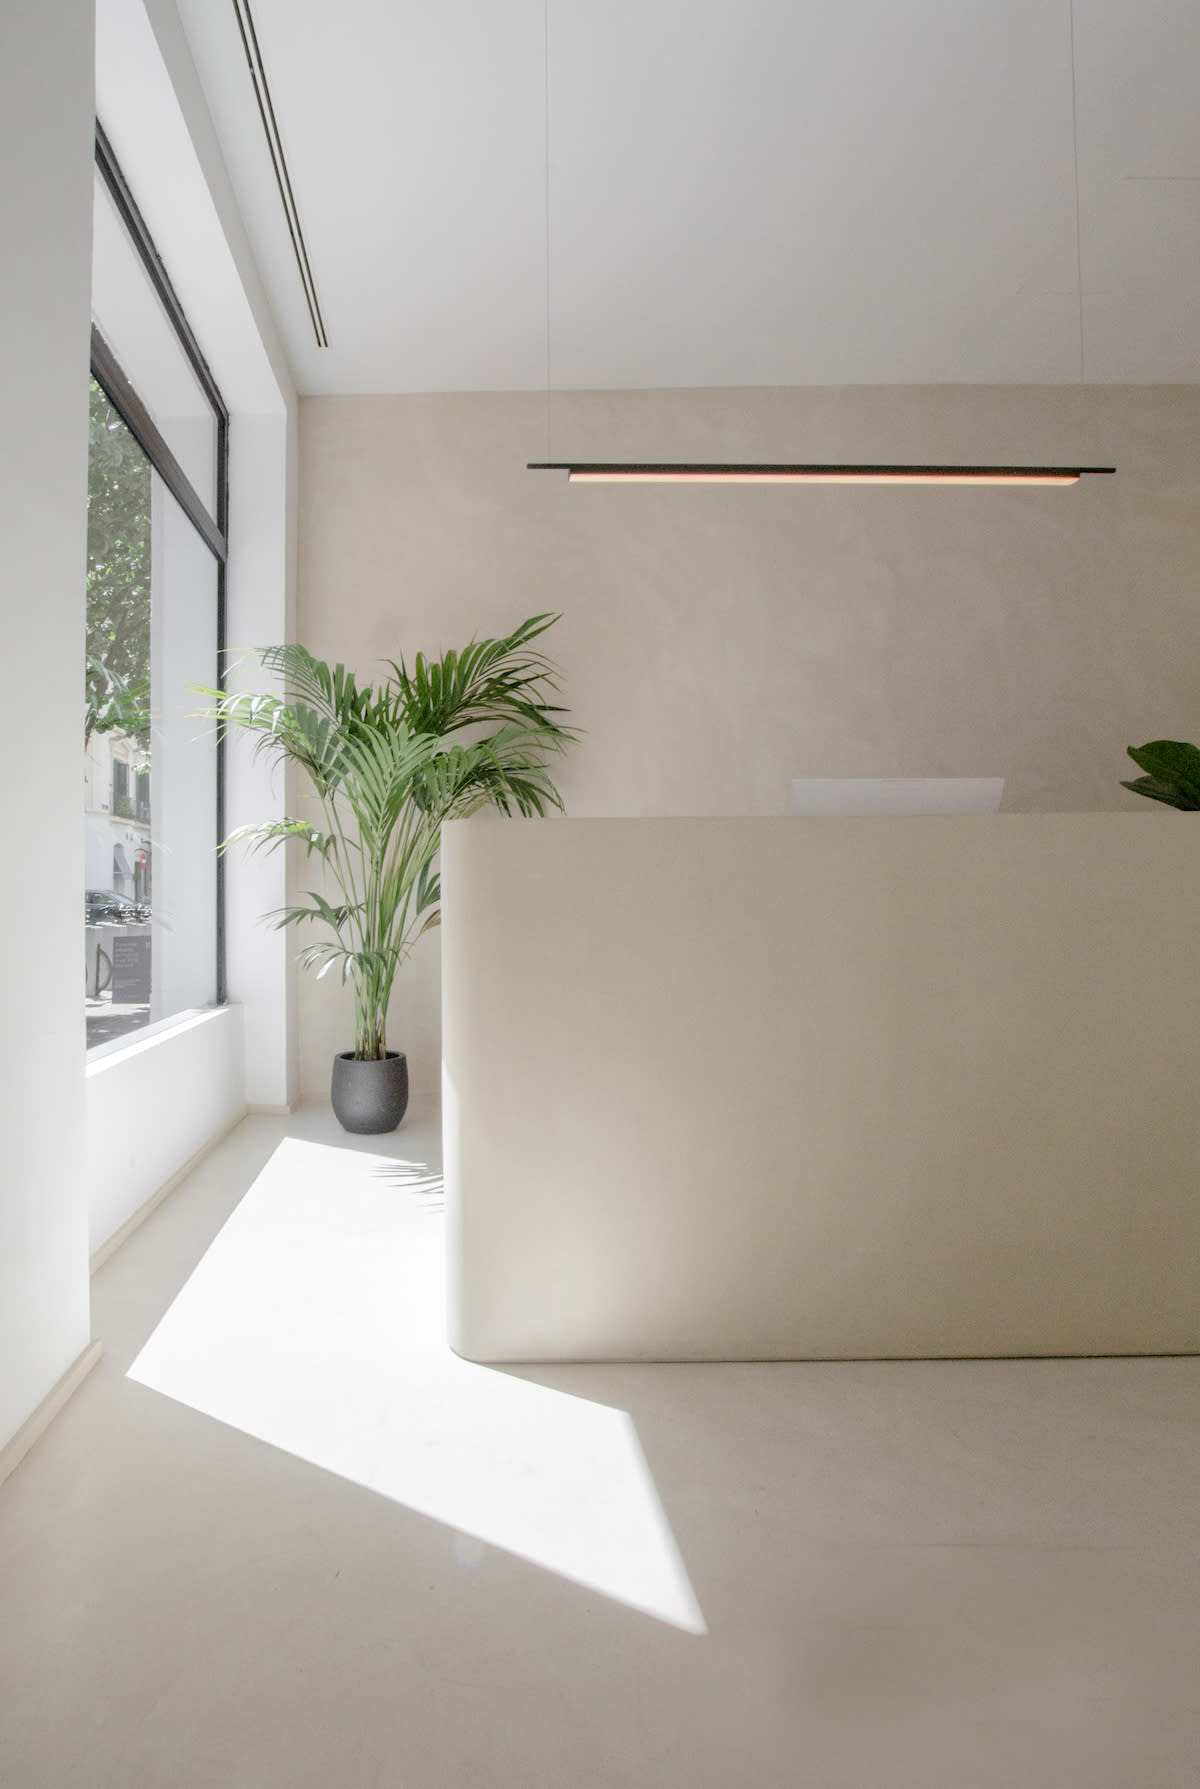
point(315, 1322)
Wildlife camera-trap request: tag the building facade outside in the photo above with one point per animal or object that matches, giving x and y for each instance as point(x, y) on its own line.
point(118, 852)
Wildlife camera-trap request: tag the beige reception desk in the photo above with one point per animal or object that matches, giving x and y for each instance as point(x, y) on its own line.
point(822, 1088)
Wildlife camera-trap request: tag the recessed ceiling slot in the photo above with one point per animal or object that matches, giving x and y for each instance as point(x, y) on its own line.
point(283, 180)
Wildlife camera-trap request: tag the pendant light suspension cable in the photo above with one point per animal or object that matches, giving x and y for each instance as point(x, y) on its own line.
point(746, 473)
point(1075, 177)
point(546, 151)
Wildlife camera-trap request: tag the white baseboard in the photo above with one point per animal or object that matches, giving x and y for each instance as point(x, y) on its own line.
point(109, 1248)
point(272, 1111)
point(35, 1426)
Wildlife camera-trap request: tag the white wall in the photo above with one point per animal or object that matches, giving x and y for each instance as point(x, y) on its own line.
point(261, 611)
point(716, 643)
point(153, 1103)
point(153, 108)
point(46, 175)
point(45, 228)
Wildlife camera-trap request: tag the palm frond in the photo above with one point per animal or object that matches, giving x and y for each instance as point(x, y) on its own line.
point(388, 766)
point(488, 681)
point(321, 909)
point(267, 835)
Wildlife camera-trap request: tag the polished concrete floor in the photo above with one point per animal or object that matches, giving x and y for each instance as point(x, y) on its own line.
point(282, 1539)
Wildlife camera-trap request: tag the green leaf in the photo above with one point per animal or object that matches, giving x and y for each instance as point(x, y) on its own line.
point(1165, 792)
point(1169, 764)
point(388, 764)
point(268, 834)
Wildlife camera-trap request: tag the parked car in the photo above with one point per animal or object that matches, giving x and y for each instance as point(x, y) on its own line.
point(103, 905)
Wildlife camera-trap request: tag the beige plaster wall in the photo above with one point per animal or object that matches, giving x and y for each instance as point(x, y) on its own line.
point(716, 643)
point(931, 1093)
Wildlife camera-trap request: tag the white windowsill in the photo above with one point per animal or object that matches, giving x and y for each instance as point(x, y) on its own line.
point(120, 1049)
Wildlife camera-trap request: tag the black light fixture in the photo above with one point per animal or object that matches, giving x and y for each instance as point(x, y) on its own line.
point(709, 473)
point(698, 472)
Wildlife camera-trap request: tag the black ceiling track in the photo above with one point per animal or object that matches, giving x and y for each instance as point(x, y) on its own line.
point(283, 180)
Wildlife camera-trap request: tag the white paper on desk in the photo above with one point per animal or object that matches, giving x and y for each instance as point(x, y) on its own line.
point(896, 795)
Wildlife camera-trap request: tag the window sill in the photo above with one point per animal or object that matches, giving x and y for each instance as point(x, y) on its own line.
point(121, 1049)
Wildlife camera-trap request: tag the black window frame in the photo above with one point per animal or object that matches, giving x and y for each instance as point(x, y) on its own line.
point(212, 527)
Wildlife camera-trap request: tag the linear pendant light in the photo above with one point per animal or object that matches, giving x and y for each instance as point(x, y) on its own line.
point(697, 472)
point(705, 473)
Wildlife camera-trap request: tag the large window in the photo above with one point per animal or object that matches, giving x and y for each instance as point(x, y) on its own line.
point(157, 531)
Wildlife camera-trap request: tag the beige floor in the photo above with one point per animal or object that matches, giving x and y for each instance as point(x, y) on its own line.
point(302, 1545)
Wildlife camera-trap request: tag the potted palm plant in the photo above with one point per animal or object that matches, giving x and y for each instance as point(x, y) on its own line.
point(388, 764)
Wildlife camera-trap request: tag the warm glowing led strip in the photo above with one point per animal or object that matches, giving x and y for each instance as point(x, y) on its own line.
point(616, 473)
point(817, 478)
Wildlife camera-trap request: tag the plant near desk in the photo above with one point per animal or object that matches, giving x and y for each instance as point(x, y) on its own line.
point(387, 765)
point(1173, 772)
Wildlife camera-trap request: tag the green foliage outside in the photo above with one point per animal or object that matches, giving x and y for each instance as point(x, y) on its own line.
point(1173, 772)
point(117, 690)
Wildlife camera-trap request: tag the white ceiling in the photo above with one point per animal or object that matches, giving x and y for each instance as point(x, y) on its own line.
point(741, 192)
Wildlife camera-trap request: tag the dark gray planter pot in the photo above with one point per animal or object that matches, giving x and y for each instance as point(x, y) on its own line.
point(370, 1097)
